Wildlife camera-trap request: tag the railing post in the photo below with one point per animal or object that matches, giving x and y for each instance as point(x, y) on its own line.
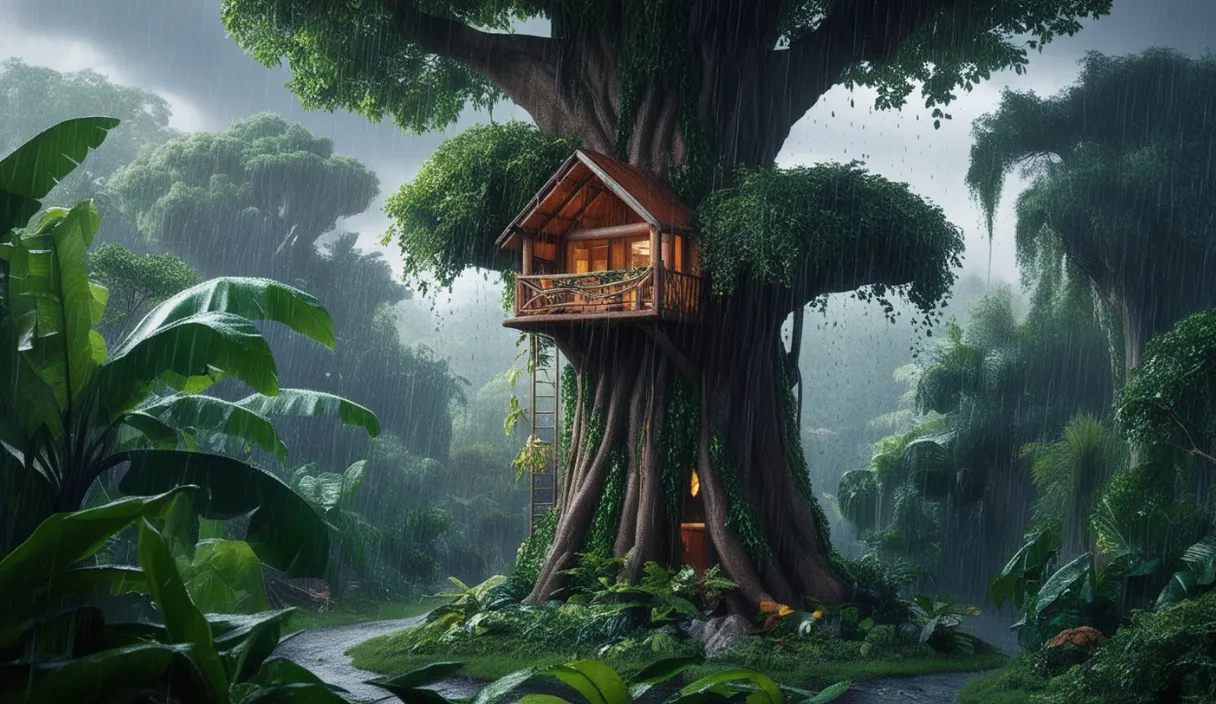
point(656, 259)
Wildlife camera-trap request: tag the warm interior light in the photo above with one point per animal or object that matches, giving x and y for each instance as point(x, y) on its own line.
point(695, 488)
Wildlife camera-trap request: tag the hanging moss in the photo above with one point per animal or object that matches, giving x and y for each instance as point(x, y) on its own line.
point(601, 538)
point(678, 445)
point(534, 550)
point(741, 517)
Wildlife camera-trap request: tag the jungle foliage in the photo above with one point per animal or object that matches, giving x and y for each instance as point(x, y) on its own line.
point(985, 406)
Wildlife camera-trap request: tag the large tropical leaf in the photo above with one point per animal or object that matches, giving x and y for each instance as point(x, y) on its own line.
point(20, 612)
point(249, 298)
point(282, 681)
point(225, 576)
point(658, 672)
point(410, 687)
point(306, 403)
point(119, 674)
point(497, 690)
point(1068, 580)
point(598, 683)
point(38, 165)
point(767, 690)
point(246, 641)
point(284, 531)
point(65, 302)
point(16, 211)
point(203, 415)
point(183, 621)
point(189, 348)
point(67, 538)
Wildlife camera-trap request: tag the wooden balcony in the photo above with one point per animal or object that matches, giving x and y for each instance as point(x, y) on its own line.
point(606, 296)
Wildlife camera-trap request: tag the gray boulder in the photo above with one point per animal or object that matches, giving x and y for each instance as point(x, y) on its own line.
point(720, 635)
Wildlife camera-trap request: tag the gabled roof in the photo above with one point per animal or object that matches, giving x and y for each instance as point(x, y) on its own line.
point(576, 194)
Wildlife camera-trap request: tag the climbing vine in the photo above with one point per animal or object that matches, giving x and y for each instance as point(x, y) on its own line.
point(534, 550)
point(569, 401)
point(602, 537)
point(741, 517)
point(678, 445)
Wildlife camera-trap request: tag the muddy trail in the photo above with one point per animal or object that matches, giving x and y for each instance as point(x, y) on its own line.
point(322, 650)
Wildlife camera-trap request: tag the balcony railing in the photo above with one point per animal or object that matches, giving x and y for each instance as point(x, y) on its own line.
point(631, 290)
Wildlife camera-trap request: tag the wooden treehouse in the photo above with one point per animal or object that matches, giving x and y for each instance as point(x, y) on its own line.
point(603, 242)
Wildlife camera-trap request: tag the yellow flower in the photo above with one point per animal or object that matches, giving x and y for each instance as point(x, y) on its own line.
point(784, 610)
point(818, 614)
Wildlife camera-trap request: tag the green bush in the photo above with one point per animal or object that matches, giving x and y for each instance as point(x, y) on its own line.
point(1167, 656)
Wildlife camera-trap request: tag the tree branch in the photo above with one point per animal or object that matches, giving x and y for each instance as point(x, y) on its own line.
point(512, 62)
point(852, 32)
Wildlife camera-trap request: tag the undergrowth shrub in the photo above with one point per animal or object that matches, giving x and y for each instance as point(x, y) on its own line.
point(1166, 656)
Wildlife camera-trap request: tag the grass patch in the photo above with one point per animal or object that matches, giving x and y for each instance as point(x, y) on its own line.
point(1016, 684)
point(818, 663)
point(352, 612)
point(812, 663)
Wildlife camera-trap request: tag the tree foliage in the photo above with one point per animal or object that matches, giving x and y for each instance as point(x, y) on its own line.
point(448, 217)
point(136, 282)
point(422, 63)
point(32, 97)
point(951, 492)
point(826, 229)
point(1169, 402)
point(1121, 182)
point(267, 181)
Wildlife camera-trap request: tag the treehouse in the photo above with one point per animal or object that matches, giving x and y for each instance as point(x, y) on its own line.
point(603, 242)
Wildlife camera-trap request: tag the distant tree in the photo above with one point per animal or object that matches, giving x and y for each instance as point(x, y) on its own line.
point(252, 199)
point(1124, 184)
point(135, 283)
point(702, 95)
point(262, 199)
point(32, 97)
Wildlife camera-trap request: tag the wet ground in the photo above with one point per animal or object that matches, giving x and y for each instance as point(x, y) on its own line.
point(322, 650)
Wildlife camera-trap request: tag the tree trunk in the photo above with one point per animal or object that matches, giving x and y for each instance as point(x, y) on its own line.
point(636, 442)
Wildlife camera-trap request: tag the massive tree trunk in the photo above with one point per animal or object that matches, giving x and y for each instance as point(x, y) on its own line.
point(636, 438)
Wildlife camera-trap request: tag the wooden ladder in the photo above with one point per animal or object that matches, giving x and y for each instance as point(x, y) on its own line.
point(546, 402)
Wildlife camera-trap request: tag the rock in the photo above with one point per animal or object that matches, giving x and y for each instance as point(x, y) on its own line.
point(1085, 638)
point(722, 634)
point(1070, 647)
point(696, 630)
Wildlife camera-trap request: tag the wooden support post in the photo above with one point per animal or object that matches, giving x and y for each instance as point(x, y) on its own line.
point(656, 260)
point(526, 269)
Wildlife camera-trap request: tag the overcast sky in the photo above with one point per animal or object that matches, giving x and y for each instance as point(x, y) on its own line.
point(178, 48)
